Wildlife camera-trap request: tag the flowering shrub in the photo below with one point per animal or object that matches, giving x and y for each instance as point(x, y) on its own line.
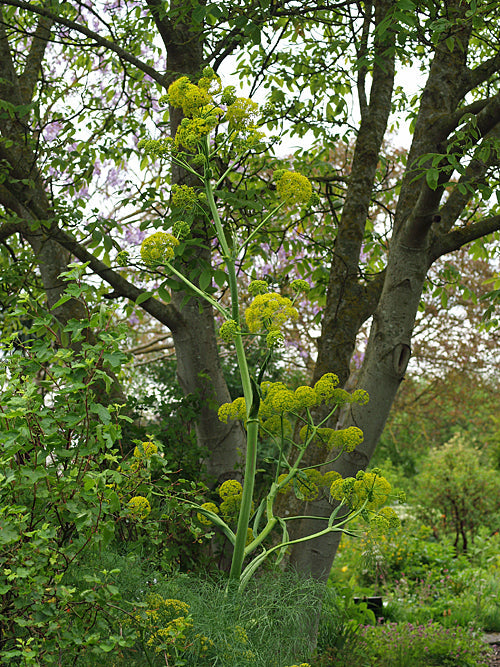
point(166, 627)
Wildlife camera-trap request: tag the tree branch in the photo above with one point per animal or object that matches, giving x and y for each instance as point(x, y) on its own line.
point(371, 296)
point(460, 237)
point(161, 22)
point(166, 314)
point(29, 77)
point(457, 201)
point(361, 53)
point(163, 79)
point(10, 228)
point(478, 75)
point(450, 121)
point(9, 84)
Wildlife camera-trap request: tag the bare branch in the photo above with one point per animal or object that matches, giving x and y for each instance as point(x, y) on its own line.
point(143, 348)
point(152, 350)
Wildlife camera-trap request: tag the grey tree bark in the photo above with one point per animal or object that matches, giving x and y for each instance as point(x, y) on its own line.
point(422, 233)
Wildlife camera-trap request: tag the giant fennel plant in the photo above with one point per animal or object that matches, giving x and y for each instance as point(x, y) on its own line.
point(215, 119)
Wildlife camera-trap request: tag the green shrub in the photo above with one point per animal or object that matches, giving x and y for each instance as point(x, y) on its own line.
point(458, 491)
point(406, 645)
point(66, 492)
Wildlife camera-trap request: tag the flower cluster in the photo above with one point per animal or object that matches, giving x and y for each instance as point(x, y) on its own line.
point(385, 520)
point(292, 186)
point(192, 130)
point(211, 507)
point(184, 197)
point(306, 488)
point(181, 229)
point(168, 626)
point(156, 147)
point(229, 330)
point(145, 450)
point(278, 399)
point(269, 312)
point(139, 507)
point(368, 488)
point(182, 94)
point(230, 493)
point(202, 114)
point(299, 285)
point(158, 248)
point(258, 287)
point(235, 410)
point(242, 113)
point(325, 387)
point(307, 483)
point(346, 439)
point(231, 487)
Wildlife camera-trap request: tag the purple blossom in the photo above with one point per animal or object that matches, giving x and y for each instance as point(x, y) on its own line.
point(134, 235)
point(51, 131)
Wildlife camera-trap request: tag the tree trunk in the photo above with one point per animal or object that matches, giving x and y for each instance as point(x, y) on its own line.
point(385, 362)
point(416, 230)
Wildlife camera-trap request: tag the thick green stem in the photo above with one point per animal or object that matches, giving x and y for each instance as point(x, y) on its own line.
point(246, 500)
point(252, 421)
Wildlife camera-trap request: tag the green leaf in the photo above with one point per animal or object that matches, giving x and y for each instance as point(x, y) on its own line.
point(164, 293)
point(144, 296)
point(406, 5)
point(64, 299)
point(432, 176)
point(220, 277)
point(114, 501)
point(205, 279)
point(101, 412)
point(8, 533)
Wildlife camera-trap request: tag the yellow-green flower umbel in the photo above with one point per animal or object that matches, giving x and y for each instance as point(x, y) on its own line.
point(231, 487)
point(269, 312)
point(139, 507)
point(293, 187)
point(145, 450)
point(185, 95)
point(158, 248)
point(211, 507)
